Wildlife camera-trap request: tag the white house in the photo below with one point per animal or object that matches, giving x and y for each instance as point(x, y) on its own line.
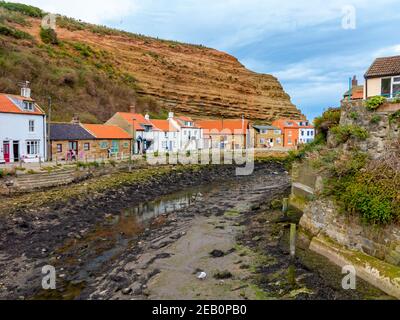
point(22, 129)
point(166, 136)
point(306, 132)
point(190, 135)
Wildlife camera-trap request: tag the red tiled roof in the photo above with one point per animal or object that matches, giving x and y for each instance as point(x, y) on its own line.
point(388, 66)
point(181, 121)
point(284, 123)
point(357, 93)
point(234, 126)
point(163, 125)
point(102, 131)
point(136, 118)
point(183, 118)
point(8, 106)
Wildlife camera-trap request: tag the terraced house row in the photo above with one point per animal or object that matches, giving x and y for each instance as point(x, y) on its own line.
point(25, 134)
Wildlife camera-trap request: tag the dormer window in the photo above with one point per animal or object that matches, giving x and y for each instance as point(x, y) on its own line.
point(188, 124)
point(148, 128)
point(28, 106)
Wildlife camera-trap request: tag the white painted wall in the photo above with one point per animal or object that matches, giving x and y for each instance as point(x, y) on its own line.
point(306, 135)
point(15, 127)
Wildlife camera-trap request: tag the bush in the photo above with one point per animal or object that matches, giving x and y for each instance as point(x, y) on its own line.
point(376, 119)
point(12, 32)
point(345, 132)
point(354, 115)
point(375, 102)
point(394, 116)
point(23, 8)
point(328, 120)
point(49, 36)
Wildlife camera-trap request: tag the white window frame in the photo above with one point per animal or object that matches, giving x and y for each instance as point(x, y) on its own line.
point(31, 126)
point(392, 84)
point(32, 147)
point(28, 106)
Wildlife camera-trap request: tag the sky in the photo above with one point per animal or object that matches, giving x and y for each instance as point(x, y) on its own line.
point(313, 47)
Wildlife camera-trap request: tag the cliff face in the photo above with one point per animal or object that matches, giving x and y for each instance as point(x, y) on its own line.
point(187, 79)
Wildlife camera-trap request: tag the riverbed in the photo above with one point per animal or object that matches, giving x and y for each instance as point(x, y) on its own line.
point(209, 238)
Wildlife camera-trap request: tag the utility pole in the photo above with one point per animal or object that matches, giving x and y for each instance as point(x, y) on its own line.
point(49, 151)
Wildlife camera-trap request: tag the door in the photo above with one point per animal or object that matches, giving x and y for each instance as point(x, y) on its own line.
point(171, 146)
point(6, 151)
point(16, 151)
point(115, 147)
point(73, 145)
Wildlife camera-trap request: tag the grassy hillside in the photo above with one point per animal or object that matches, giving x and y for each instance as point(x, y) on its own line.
point(77, 77)
point(95, 71)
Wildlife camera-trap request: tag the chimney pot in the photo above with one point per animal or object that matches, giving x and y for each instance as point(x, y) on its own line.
point(170, 115)
point(354, 82)
point(75, 119)
point(147, 117)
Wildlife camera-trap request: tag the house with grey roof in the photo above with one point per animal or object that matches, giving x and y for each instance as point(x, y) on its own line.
point(266, 136)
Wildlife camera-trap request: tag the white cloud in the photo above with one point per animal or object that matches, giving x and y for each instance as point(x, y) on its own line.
point(94, 11)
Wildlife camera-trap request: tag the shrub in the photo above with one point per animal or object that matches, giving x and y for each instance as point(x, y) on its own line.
point(397, 98)
point(23, 8)
point(354, 115)
point(49, 36)
point(374, 103)
point(113, 163)
point(376, 119)
point(394, 116)
point(12, 32)
point(345, 132)
point(328, 120)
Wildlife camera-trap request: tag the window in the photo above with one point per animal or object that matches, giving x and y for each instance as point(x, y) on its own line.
point(104, 145)
point(278, 140)
point(32, 148)
point(28, 105)
point(184, 132)
point(86, 146)
point(302, 133)
point(262, 141)
point(390, 87)
point(290, 133)
point(126, 144)
point(31, 125)
point(277, 132)
point(290, 141)
point(59, 148)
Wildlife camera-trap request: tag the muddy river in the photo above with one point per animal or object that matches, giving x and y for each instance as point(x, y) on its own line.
point(218, 240)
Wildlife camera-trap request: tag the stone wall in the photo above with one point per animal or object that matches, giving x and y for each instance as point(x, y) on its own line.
point(373, 250)
point(382, 131)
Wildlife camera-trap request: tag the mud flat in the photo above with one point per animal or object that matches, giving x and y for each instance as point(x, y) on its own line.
point(153, 238)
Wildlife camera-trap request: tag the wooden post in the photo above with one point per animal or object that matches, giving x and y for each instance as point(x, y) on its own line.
point(293, 231)
point(285, 206)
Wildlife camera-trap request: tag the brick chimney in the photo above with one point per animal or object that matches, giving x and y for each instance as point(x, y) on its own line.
point(75, 119)
point(354, 82)
point(132, 109)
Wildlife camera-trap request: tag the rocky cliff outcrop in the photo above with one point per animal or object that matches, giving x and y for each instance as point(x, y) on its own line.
point(187, 79)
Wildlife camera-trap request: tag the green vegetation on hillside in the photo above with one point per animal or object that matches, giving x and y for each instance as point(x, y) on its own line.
point(78, 78)
point(369, 188)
